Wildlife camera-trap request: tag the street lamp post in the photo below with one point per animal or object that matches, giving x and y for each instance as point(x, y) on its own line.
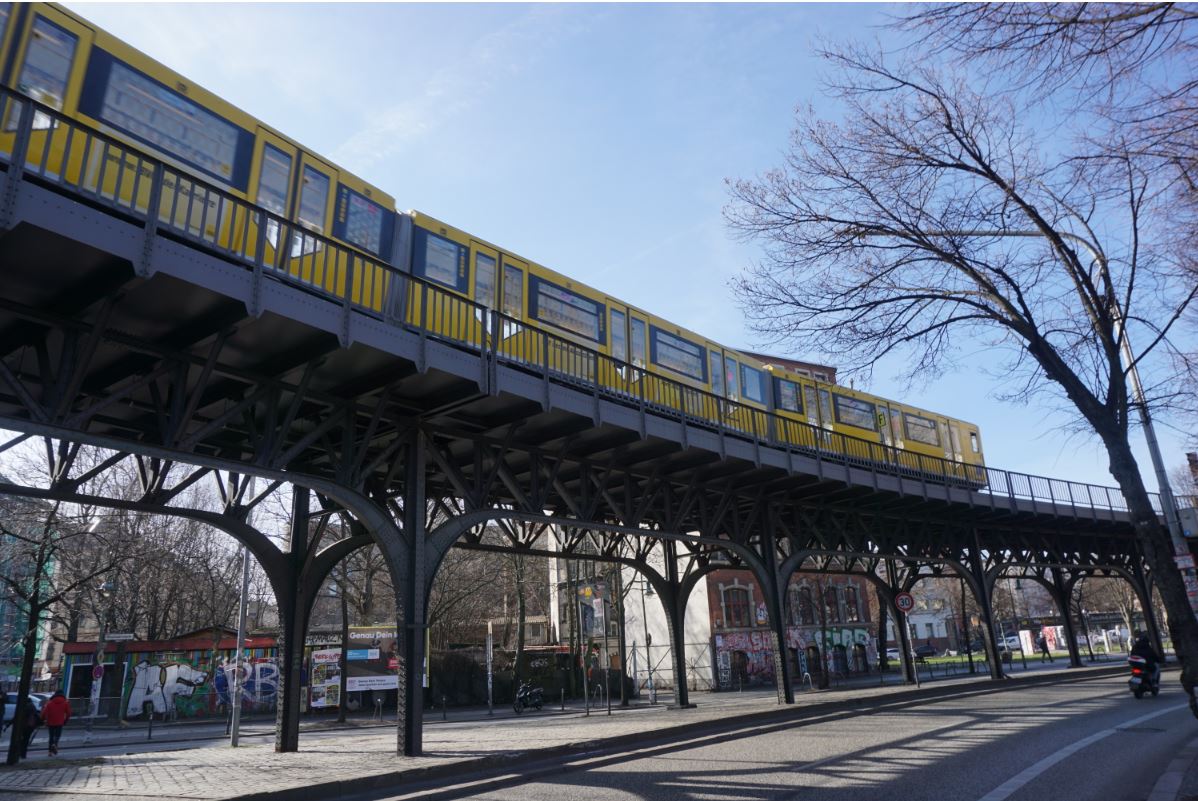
point(647, 589)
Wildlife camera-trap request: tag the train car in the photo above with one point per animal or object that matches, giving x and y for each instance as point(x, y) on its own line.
point(809, 408)
point(88, 75)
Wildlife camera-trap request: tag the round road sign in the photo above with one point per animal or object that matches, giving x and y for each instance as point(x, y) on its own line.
point(905, 602)
point(98, 672)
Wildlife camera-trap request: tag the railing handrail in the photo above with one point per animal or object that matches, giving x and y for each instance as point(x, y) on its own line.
point(878, 456)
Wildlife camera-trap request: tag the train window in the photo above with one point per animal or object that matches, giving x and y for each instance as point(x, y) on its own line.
point(169, 121)
point(566, 309)
point(47, 66)
point(314, 198)
point(638, 342)
point(619, 336)
point(484, 280)
point(855, 412)
point(272, 188)
point(809, 400)
point(896, 426)
point(359, 220)
point(440, 260)
point(513, 291)
point(974, 445)
point(752, 384)
point(717, 375)
point(272, 184)
point(825, 407)
point(921, 429)
point(788, 396)
point(5, 13)
point(730, 377)
point(678, 354)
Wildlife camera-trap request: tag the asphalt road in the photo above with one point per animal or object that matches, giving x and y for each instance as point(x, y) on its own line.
point(1073, 742)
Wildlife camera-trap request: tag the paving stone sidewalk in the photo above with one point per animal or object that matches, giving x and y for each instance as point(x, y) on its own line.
point(345, 762)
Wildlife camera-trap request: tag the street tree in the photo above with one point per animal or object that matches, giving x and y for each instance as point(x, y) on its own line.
point(930, 220)
point(50, 551)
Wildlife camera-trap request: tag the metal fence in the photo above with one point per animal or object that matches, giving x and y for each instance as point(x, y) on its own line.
point(45, 146)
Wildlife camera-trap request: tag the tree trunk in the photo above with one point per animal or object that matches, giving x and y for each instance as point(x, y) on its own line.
point(23, 684)
point(1157, 547)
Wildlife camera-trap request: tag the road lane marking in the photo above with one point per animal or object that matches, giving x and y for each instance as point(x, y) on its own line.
point(1010, 786)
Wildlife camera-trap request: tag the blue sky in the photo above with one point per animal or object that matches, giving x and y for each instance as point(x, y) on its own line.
point(593, 139)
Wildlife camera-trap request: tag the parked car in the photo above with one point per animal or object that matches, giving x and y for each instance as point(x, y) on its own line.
point(925, 650)
point(10, 704)
point(1012, 642)
point(893, 654)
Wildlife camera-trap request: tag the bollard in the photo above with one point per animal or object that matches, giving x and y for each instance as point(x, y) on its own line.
point(563, 699)
point(378, 709)
point(150, 730)
point(444, 708)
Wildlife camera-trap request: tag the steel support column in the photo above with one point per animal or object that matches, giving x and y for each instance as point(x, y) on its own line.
point(776, 586)
point(1063, 595)
point(901, 625)
point(294, 609)
point(413, 621)
point(979, 574)
point(675, 608)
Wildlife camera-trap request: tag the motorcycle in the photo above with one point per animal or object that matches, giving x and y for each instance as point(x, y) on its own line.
point(1143, 678)
point(528, 697)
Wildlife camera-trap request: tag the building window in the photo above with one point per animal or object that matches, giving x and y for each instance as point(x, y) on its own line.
point(930, 629)
point(831, 605)
point(852, 610)
point(806, 607)
point(736, 608)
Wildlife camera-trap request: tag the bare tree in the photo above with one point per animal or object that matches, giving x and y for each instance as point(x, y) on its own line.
point(930, 218)
point(1129, 63)
point(49, 553)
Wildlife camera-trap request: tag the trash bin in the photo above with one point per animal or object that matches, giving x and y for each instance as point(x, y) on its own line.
point(1006, 656)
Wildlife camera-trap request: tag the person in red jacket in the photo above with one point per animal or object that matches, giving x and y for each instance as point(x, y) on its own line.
point(56, 713)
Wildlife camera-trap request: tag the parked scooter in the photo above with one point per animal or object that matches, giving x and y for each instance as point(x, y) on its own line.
point(528, 697)
point(1143, 677)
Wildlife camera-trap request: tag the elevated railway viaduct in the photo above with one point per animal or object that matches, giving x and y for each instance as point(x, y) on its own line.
point(191, 355)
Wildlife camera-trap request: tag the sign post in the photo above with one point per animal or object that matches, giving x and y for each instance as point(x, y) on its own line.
point(905, 602)
point(490, 663)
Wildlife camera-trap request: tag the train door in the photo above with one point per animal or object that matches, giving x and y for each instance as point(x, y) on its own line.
point(486, 285)
point(811, 407)
point(614, 373)
point(516, 339)
point(954, 433)
point(825, 414)
point(883, 421)
point(942, 423)
point(311, 210)
point(49, 47)
point(271, 188)
point(638, 353)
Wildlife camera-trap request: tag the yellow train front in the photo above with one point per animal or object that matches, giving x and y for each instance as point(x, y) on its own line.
point(129, 103)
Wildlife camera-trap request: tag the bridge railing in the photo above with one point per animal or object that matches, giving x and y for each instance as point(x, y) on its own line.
point(41, 144)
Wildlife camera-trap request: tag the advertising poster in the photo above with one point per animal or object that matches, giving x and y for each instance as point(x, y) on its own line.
point(325, 681)
point(372, 661)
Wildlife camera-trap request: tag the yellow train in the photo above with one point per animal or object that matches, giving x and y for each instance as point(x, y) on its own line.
point(242, 188)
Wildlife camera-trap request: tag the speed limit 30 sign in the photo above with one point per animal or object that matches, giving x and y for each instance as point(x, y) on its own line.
point(905, 602)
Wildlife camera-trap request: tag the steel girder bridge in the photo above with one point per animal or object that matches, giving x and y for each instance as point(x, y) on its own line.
point(183, 331)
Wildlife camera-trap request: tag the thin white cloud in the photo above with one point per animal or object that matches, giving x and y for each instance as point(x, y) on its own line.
point(423, 104)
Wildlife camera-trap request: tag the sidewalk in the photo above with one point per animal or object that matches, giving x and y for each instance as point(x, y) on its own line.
point(345, 762)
